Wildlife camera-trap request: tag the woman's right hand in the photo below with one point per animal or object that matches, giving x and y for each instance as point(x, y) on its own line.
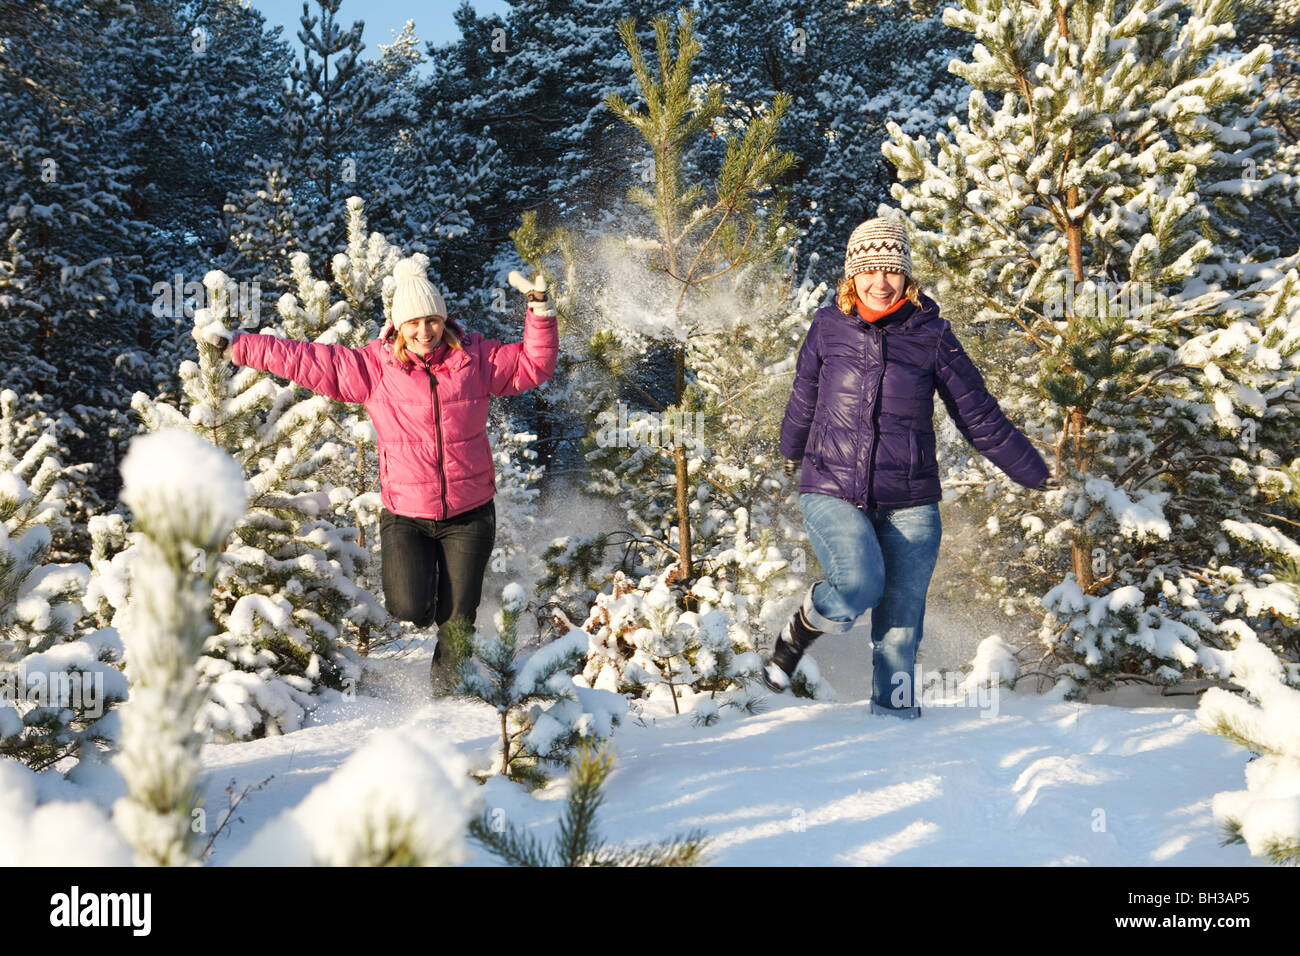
point(219, 337)
point(790, 467)
point(539, 300)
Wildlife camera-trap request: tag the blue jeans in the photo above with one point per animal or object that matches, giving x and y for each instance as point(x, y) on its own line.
point(877, 558)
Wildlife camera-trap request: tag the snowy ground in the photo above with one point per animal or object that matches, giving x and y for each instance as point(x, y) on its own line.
point(1040, 783)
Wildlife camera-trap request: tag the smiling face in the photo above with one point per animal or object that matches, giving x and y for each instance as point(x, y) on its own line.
point(879, 290)
point(422, 335)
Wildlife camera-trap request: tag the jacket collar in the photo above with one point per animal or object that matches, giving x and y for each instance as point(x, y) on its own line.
point(908, 316)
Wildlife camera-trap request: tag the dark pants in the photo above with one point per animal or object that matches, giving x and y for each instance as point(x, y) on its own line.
point(433, 570)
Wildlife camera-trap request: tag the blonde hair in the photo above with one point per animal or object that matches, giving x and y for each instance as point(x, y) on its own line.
point(449, 335)
point(846, 294)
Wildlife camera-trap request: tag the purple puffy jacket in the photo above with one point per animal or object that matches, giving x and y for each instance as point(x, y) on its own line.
point(861, 411)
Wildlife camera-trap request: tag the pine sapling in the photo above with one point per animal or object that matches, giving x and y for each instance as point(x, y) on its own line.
point(578, 841)
point(491, 669)
point(186, 496)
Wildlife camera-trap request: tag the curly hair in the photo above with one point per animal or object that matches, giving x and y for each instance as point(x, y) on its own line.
point(846, 294)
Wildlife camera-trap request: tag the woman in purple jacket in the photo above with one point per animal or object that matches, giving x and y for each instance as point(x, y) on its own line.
point(860, 418)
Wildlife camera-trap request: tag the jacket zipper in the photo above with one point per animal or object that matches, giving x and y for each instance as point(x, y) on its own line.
point(875, 417)
point(437, 423)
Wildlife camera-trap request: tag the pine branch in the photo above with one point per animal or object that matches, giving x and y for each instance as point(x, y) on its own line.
point(511, 845)
point(577, 842)
point(578, 839)
point(685, 850)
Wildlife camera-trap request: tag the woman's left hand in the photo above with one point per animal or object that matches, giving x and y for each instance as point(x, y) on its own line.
point(538, 298)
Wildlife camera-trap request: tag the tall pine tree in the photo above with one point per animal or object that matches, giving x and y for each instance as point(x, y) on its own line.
point(1087, 217)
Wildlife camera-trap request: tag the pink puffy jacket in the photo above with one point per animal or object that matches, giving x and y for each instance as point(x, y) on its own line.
point(430, 414)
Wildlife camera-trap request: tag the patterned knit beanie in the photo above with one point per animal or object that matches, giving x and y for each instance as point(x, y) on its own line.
point(415, 297)
point(878, 244)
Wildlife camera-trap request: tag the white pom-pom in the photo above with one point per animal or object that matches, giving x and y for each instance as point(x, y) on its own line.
point(408, 269)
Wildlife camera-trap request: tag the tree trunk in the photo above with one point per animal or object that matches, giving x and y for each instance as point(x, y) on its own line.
point(683, 484)
point(1080, 553)
point(505, 747)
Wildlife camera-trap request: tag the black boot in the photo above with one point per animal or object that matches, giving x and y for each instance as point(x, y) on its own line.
point(442, 671)
point(790, 645)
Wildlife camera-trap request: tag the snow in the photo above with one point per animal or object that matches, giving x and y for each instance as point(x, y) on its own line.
point(1268, 538)
point(1138, 519)
point(802, 783)
point(824, 783)
point(513, 597)
point(995, 662)
point(403, 791)
point(547, 659)
point(173, 473)
point(53, 833)
point(1116, 600)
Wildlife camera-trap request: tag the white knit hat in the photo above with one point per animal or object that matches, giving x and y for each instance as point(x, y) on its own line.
point(878, 244)
point(415, 297)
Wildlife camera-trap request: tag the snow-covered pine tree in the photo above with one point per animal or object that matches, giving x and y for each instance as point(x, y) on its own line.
point(1266, 719)
point(56, 684)
point(1278, 25)
point(641, 642)
point(551, 65)
point(361, 278)
point(421, 177)
point(65, 259)
point(747, 539)
point(705, 238)
point(847, 68)
point(264, 222)
point(1088, 221)
point(455, 149)
point(185, 496)
point(1261, 22)
point(403, 799)
point(517, 478)
point(578, 841)
point(327, 105)
point(382, 168)
point(286, 590)
point(492, 669)
point(217, 66)
point(732, 397)
point(1266, 815)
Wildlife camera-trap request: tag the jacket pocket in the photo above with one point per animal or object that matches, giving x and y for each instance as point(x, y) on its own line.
point(923, 463)
point(814, 450)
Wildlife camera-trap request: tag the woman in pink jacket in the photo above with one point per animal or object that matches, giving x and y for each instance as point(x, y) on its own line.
point(425, 383)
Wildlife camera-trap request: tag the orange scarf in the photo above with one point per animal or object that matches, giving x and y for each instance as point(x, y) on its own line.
point(871, 315)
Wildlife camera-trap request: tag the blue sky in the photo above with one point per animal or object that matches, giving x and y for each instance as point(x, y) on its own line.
point(383, 18)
